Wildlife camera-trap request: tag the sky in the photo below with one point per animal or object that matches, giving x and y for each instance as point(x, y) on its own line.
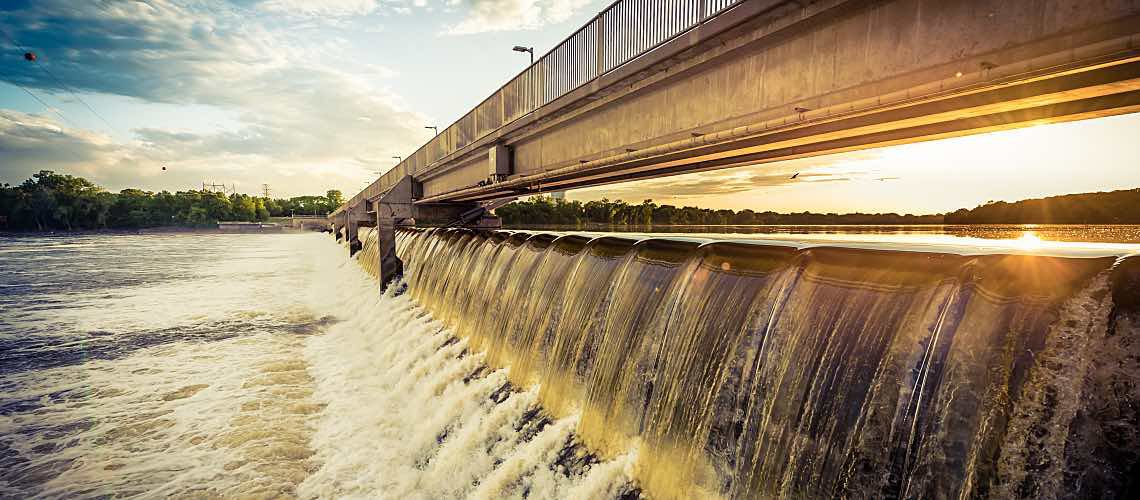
point(920, 178)
point(306, 96)
point(301, 95)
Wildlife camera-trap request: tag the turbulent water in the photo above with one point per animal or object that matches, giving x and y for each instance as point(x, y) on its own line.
point(563, 366)
point(251, 366)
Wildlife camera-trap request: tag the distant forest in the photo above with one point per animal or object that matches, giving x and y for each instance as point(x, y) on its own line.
point(544, 210)
point(1116, 207)
point(1113, 207)
point(51, 201)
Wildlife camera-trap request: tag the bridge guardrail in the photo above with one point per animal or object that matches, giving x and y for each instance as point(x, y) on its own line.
point(620, 33)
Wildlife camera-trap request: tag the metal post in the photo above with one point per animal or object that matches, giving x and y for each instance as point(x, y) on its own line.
point(600, 42)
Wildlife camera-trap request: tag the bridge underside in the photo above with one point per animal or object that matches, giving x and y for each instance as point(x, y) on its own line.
point(790, 80)
point(774, 80)
point(1089, 93)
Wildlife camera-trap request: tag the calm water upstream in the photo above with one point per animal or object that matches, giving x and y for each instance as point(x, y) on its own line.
point(195, 365)
point(966, 235)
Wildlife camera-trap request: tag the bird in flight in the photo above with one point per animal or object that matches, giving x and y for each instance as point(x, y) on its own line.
point(797, 174)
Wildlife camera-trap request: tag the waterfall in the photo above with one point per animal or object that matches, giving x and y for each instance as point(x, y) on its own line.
point(687, 368)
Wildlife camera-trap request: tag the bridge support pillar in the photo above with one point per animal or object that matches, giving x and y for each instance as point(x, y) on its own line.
point(390, 266)
point(396, 208)
point(338, 226)
point(354, 216)
point(393, 208)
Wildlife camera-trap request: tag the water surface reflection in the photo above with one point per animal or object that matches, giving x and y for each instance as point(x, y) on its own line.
point(1094, 233)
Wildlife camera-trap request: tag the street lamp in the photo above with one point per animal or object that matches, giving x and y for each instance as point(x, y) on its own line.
point(433, 129)
point(520, 48)
point(398, 158)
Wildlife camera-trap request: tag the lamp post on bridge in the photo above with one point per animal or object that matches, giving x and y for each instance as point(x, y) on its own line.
point(398, 159)
point(520, 48)
point(433, 129)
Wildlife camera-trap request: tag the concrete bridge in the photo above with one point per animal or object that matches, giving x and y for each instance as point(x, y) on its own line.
point(651, 88)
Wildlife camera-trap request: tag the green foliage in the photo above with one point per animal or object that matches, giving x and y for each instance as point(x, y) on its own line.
point(51, 201)
point(543, 210)
point(1115, 207)
point(306, 205)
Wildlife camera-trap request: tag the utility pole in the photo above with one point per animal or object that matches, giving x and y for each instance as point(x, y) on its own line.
point(265, 189)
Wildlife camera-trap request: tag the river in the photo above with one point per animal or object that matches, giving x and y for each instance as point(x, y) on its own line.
point(198, 365)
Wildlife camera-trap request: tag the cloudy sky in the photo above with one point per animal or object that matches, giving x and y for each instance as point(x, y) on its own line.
point(302, 95)
point(307, 95)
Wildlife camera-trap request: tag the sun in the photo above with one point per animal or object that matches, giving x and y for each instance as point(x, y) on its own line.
point(1029, 241)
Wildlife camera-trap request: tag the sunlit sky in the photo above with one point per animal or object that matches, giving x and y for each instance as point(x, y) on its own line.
point(306, 96)
point(920, 178)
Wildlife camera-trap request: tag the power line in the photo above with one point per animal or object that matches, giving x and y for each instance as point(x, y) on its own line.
point(111, 128)
point(49, 108)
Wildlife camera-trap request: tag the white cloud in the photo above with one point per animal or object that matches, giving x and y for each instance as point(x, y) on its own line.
point(30, 143)
point(295, 103)
point(695, 188)
point(511, 15)
point(320, 7)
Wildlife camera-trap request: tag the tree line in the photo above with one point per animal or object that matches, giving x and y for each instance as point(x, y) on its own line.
point(542, 210)
point(1115, 207)
point(51, 201)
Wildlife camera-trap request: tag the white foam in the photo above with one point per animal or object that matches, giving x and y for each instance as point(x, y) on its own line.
point(383, 403)
point(406, 418)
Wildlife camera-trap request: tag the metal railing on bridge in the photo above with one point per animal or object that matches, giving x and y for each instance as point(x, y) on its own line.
point(620, 33)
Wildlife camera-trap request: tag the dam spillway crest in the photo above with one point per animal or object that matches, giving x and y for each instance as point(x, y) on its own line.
point(744, 370)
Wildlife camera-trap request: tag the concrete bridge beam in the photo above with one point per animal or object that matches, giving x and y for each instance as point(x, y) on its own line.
point(771, 80)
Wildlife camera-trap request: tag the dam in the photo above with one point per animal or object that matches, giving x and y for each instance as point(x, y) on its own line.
point(715, 367)
point(710, 85)
point(871, 249)
point(757, 369)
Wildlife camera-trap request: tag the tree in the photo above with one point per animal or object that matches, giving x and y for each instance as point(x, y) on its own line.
point(49, 200)
point(242, 208)
point(335, 197)
point(262, 214)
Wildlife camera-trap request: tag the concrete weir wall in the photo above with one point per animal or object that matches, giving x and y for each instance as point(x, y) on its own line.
point(773, 370)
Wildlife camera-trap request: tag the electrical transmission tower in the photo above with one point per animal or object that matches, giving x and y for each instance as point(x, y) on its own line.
point(219, 188)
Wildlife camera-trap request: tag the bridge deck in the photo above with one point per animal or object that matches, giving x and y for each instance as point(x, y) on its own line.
point(714, 84)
